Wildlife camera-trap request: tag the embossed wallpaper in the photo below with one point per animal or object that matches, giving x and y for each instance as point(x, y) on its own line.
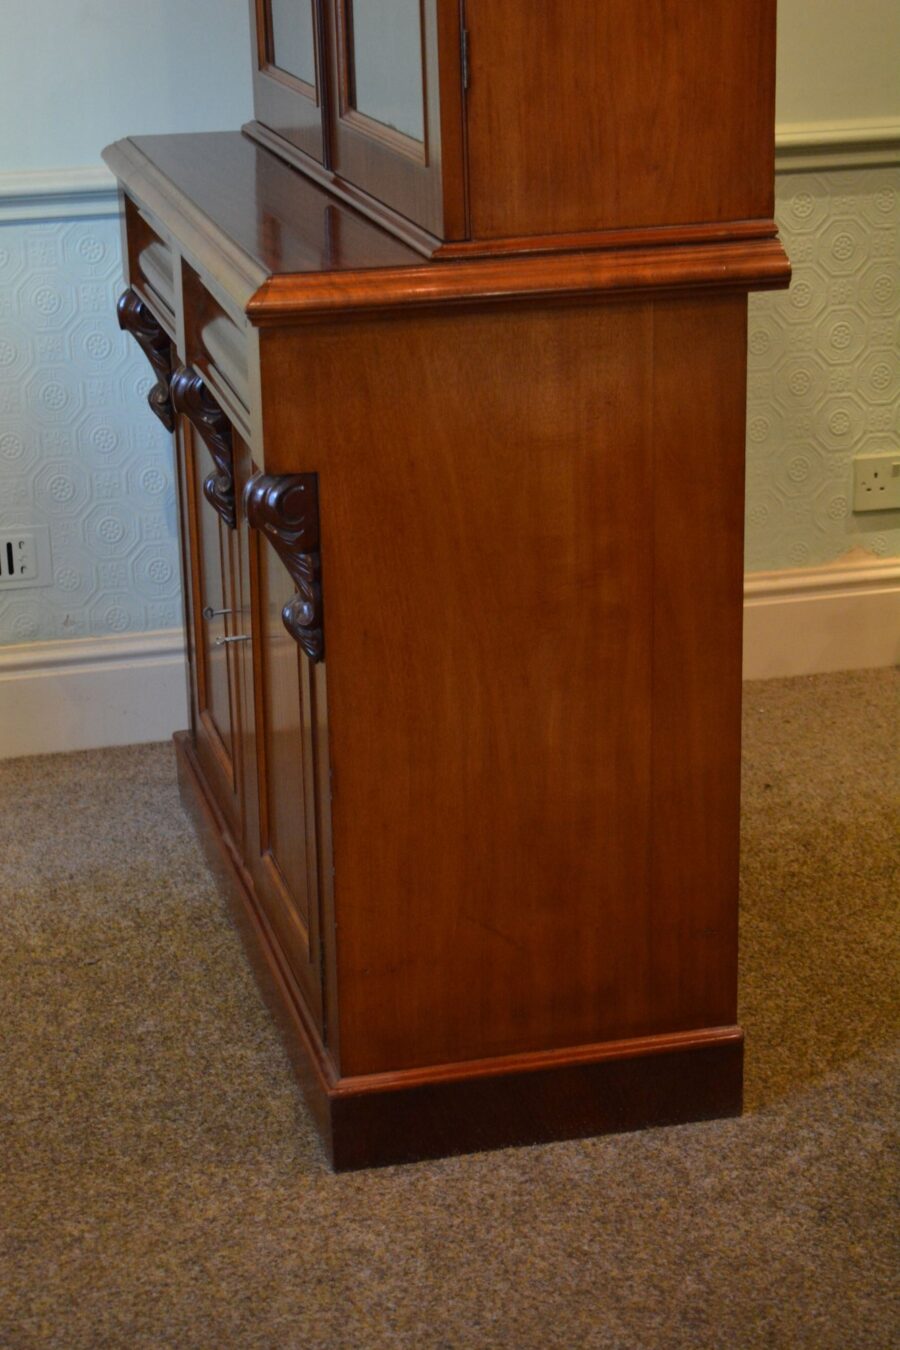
point(80, 452)
point(78, 449)
point(824, 371)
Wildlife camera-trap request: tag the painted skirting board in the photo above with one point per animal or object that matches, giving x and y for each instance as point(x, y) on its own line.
point(85, 693)
point(812, 620)
point(80, 694)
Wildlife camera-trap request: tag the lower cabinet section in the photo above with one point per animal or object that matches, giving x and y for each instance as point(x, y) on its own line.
point(487, 867)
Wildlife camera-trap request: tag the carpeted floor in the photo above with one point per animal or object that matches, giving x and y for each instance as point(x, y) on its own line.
point(161, 1186)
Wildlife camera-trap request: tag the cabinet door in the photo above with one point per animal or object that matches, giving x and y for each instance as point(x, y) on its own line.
point(287, 70)
point(396, 119)
point(213, 610)
point(288, 847)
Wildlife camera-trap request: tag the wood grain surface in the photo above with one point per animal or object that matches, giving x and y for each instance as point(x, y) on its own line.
point(600, 114)
point(502, 623)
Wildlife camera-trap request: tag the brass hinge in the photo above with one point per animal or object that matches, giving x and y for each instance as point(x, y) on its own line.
point(465, 57)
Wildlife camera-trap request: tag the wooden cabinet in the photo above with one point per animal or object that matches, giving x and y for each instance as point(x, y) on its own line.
point(462, 527)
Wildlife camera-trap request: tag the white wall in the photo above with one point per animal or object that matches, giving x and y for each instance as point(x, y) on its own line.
point(77, 74)
point(838, 61)
point(79, 450)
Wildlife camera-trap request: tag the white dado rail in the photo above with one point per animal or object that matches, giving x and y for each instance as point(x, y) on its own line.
point(55, 194)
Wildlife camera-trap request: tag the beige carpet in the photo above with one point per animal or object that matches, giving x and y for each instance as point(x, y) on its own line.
point(161, 1186)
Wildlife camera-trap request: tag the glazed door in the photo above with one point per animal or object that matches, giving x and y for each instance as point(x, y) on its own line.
point(288, 70)
point(396, 115)
point(288, 848)
point(212, 601)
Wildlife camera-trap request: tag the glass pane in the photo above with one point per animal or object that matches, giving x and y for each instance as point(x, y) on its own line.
point(293, 40)
point(387, 63)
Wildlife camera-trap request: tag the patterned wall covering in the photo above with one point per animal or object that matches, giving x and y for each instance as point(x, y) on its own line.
point(80, 452)
point(824, 380)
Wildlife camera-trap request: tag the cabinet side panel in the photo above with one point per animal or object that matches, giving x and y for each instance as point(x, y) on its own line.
point(697, 538)
point(487, 573)
point(607, 114)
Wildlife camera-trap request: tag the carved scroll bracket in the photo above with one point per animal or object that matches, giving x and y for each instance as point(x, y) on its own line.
point(135, 318)
point(192, 399)
point(285, 508)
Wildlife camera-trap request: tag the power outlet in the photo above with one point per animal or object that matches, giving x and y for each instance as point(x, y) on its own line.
point(25, 556)
point(876, 482)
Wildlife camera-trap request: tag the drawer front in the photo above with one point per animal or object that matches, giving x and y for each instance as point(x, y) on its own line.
point(218, 345)
point(207, 329)
point(152, 267)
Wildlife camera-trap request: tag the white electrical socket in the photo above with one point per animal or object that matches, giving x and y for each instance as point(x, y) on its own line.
point(25, 556)
point(876, 482)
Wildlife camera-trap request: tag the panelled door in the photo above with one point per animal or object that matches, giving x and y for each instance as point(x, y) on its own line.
point(287, 70)
point(213, 616)
point(396, 109)
point(287, 849)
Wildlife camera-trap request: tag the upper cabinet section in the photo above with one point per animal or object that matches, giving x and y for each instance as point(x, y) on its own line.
point(501, 125)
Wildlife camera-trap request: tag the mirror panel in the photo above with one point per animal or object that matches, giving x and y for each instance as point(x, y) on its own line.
point(293, 40)
point(386, 63)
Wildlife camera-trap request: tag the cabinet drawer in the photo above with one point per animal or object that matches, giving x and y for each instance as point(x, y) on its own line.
point(158, 272)
point(218, 346)
point(225, 349)
point(151, 266)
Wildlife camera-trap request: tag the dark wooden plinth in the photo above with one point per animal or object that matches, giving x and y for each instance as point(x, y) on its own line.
point(446, 1109)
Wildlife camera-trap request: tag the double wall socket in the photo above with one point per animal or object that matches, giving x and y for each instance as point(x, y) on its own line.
point(25, 556)
point(876, 482)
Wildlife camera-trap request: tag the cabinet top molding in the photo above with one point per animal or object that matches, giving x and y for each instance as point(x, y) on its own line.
point(284, 250)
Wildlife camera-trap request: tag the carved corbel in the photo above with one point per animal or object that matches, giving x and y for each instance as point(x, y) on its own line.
point(135, 318)
point(285, 508)
point(192, 399)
